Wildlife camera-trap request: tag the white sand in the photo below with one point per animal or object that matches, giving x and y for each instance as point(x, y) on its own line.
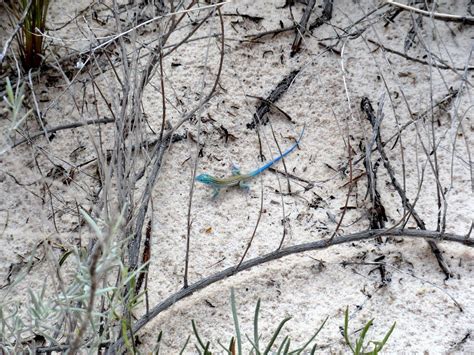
point(417, 296)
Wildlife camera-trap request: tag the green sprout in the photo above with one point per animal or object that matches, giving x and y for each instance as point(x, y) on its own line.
point(359, 348)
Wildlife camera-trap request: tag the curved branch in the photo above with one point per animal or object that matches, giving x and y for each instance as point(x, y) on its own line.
point(300, 248)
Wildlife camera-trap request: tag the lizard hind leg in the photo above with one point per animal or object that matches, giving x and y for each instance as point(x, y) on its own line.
point(244, 185)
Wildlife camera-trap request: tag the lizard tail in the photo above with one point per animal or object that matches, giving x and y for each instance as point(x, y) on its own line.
point(275, 160)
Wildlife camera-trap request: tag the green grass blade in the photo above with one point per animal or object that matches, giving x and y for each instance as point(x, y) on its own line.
point(223, 347)
point(282, 345)
point(275, 335)
point(197, 334)
point(385, 339)
point(346, 330)
point(255, 328)
point(63, 257)
point(185, 345)
point(251, 342)
point(287, 347)
point(360, 341)
point(236, 321)
point(126, 339)
point(300, 350)
point(10, 95)
point(158, 343)
point(197, 349)
point(206, 349)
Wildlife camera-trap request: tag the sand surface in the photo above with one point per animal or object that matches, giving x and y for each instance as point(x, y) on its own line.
point(433, 315)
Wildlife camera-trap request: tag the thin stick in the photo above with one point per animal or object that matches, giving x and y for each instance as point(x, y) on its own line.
point(443, 65)
point(351, 184)
point(17, 28)
point(302, 27)
point(255, 229)
point(189, 221)
point(62, 128)
point(263, 108)
point(436, 15)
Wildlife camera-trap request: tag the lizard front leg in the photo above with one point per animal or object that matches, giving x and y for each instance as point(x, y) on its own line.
point(235, 170)
point(215, 192)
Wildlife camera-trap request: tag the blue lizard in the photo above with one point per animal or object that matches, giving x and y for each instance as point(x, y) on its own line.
point(237, 178)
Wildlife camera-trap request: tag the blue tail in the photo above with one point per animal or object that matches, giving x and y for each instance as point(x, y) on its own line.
point(271, 162)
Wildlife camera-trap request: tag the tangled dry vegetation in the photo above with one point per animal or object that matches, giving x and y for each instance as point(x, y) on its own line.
point(111, 108)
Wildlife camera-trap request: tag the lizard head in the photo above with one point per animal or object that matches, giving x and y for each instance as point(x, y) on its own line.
point(205, 179)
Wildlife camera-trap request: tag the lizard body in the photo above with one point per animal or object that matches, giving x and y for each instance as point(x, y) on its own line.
point(239, 179)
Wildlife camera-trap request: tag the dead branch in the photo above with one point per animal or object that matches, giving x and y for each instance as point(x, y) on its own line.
point(348, 195)
point(421, 61)
point(302, 27)
point(278, 254)
point(377, 211)
point(264, 107)
point(367, 108)
point(326, 15)
point(51, 130)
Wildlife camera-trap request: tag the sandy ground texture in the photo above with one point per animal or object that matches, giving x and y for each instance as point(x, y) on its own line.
point(394, 279)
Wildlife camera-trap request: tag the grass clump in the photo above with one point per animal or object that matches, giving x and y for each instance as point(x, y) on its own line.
point(359, 348)
point(259, 346)
point(277, 344)
point(31, 15)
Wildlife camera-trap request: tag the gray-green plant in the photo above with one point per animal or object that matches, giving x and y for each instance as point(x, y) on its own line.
point(86, 311)
point(359, 348)
point(14, 103)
